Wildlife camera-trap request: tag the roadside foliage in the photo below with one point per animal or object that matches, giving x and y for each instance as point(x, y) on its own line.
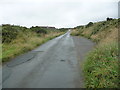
point(101, 66)
point(17, 40)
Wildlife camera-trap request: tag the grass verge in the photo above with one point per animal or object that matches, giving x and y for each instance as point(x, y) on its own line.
point(24, 43)
point(101, 66)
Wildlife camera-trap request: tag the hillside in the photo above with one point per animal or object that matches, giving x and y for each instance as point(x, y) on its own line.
point(17, 40)
point(101, 65)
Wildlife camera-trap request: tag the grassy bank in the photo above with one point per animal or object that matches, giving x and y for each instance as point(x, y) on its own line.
point(101, 67)
point(25, 41)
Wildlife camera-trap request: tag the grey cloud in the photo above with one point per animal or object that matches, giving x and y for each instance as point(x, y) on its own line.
point(58, 14)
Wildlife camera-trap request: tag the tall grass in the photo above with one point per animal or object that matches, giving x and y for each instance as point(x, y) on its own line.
point(25, 42)
point(101, 66)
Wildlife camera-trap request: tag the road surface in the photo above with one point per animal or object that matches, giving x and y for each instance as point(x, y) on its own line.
point(55, 64)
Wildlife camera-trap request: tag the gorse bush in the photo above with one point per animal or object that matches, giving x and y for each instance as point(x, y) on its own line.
point(8, 33)
point(89, 24)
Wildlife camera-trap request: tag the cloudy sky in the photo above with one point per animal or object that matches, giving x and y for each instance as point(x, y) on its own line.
point(58, 13)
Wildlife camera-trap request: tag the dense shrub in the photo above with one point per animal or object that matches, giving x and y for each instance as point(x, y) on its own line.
point(8, 33)
point(38, 29)
point(101, 26)
point(63, 29)
point(79, 27)
point(108, 19)
point(89, 24)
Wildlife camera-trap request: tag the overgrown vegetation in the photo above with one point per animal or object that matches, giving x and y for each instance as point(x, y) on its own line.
point(17, 39)
point(101, 67)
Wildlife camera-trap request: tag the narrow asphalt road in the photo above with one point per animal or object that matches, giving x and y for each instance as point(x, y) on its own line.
point(55, 64)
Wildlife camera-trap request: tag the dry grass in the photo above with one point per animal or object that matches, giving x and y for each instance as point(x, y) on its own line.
point(87, 31)
point(102, 65)
point(24, 43)
point(75, 32)
point(111, 37)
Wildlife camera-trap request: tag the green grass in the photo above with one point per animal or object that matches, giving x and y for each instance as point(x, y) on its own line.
point(25, 43)
point(17, 39)
point(101, 67)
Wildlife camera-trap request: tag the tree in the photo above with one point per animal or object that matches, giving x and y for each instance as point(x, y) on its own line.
point(109, 19)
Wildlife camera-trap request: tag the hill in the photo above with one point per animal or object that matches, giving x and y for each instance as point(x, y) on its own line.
point(101, 67)
point(17, 39)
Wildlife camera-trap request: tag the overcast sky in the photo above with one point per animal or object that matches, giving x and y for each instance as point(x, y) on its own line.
point(58, 13)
